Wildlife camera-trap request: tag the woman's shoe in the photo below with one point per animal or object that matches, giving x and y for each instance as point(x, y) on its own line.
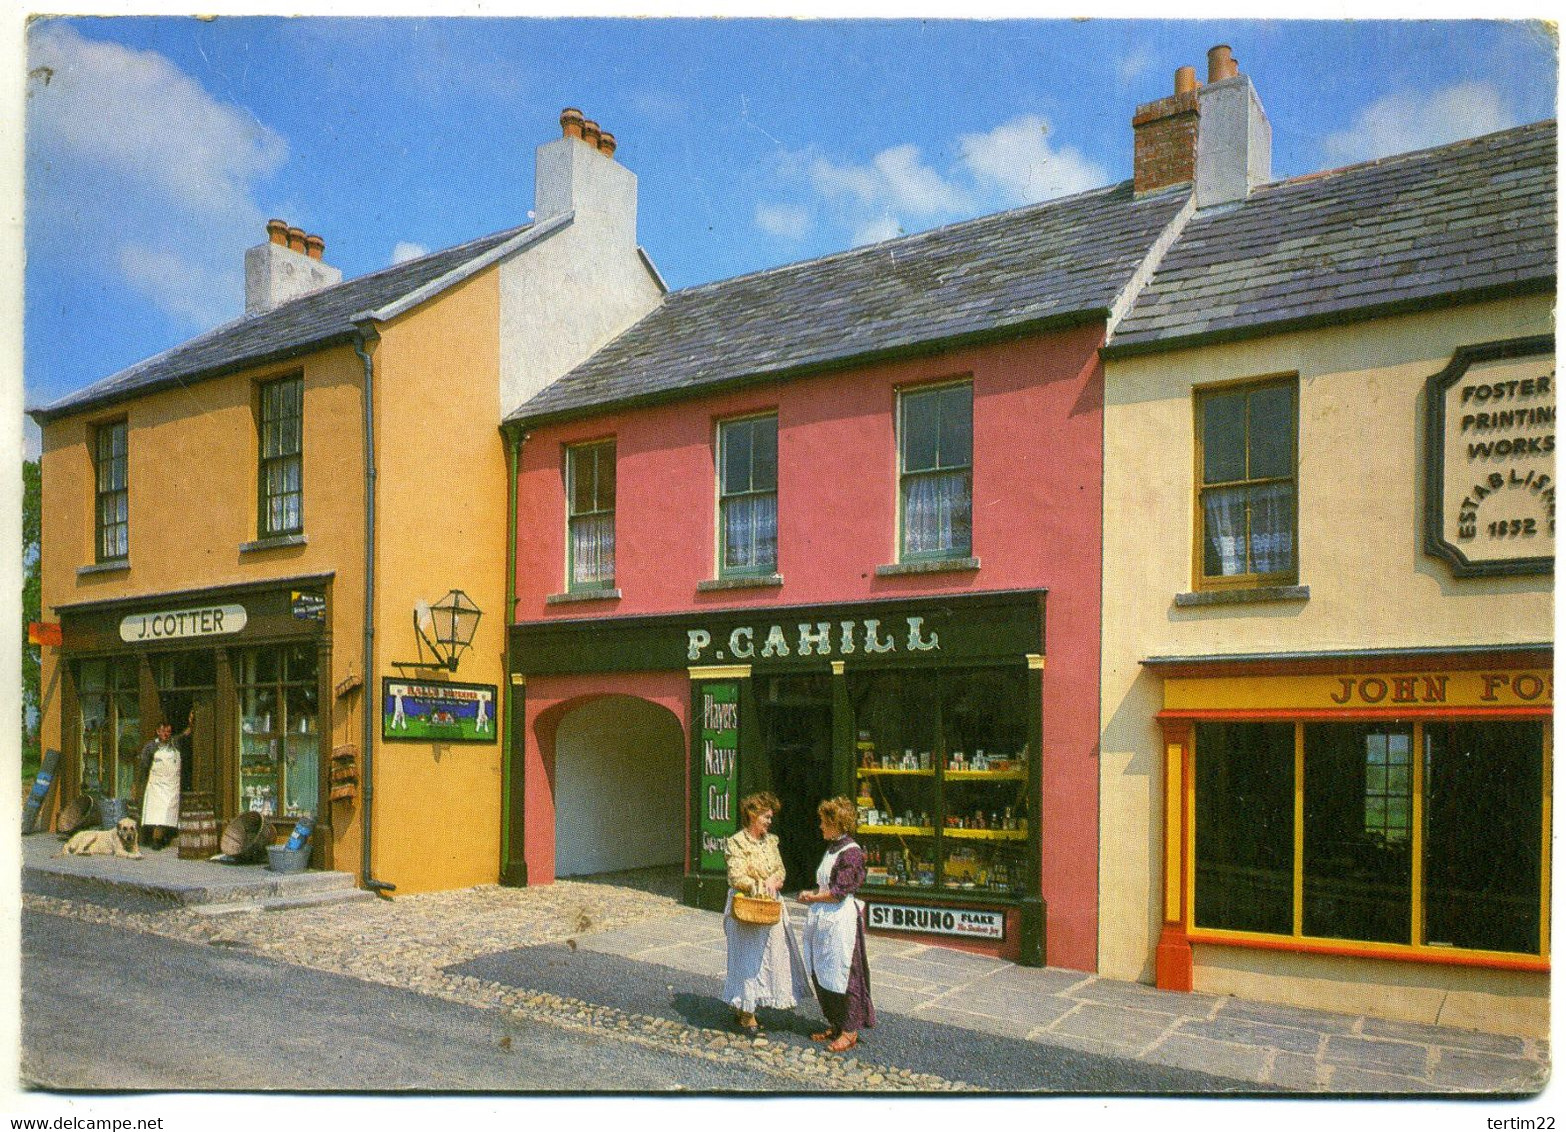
point(747, 1024)
point(826, 1035)
point(844, 1043)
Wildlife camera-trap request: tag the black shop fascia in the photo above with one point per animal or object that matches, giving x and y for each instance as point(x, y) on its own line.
point(929, 713)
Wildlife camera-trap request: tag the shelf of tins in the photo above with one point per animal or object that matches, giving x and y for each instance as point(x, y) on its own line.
point(943, 782)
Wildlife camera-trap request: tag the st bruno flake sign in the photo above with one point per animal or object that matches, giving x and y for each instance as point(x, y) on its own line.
point(1490, 459)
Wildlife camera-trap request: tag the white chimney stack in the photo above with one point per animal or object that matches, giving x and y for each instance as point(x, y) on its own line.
point(287, 266)
point(1233, 138)
point(577, 173)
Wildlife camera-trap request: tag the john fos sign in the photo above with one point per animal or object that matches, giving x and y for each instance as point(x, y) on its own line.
point(1490, 459)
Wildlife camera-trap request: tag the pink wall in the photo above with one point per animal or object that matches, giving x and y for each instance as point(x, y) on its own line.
point(1037, 486)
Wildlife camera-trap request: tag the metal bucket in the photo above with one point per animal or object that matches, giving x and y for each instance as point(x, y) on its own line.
point(198, 828)
point(282, 859)
point(110, 812)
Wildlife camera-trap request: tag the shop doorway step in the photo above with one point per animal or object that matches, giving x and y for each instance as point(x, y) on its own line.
point(203, 886)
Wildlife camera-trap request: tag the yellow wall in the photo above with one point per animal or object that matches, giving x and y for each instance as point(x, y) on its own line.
point(441, 499)
point(1361, 443)
point(191, 475)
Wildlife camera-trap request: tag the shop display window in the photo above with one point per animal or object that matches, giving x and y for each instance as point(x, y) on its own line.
point(1463, 801)
point(1245, 826)
point(110, 736)
point(942, 779)
point(279, 732)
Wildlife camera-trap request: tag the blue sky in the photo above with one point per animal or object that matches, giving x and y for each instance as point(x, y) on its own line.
point(157, 147)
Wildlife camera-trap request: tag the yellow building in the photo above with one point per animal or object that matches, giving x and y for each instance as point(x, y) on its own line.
point(1329, 545)
point(248, 532)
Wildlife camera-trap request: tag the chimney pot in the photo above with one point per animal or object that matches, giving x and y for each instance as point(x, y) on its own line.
point(571, 122)
point(296, 239)
point(590, 132)
point(606, 143)
point(1185, 80)
point(315, 246)
point(1221, 64)
point(277, 232)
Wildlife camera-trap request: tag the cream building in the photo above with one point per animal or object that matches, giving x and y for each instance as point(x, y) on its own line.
point(1328, 543)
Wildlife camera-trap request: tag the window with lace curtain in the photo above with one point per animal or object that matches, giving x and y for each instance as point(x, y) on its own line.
point(590, 515)
point(1246, 507)
point(935, 444)
point(748, 496)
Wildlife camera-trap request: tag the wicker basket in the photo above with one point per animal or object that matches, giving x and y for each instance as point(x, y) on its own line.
point(759, 910)
point(246, 837)
point(81, 813)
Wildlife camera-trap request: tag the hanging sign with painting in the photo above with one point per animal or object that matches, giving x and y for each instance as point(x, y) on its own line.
point(437, 713)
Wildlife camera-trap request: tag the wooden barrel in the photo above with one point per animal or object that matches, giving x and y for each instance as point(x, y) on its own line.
point(198, 827)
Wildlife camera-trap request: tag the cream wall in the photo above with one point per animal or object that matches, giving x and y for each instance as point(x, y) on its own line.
point(1361, 443)
point(191, 475)
point(441, 525)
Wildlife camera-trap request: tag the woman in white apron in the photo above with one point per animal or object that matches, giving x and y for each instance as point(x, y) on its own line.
point(835, 931)
point(764, 966)
point(157, 769)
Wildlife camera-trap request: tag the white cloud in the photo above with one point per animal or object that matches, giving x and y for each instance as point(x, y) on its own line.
point(1407, 120)
point(179, 284)
point(788, 221)
point(898, 191)
point(1016, 158)
point(1131, 67)
point(404, 251)
point(122, 141)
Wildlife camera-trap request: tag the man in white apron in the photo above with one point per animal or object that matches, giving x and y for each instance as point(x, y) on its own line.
point(157, 769)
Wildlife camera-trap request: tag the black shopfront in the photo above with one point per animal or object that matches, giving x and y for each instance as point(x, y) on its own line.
point(247, 668)
point(929, 713)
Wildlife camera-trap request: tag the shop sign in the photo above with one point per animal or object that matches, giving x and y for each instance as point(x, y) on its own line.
point(938, 921)
point(308, 605)
point(208, 621)
point(719, 770)
point(1490, 479)
point(437, 713)
point(1408, 691)
point(813, 638)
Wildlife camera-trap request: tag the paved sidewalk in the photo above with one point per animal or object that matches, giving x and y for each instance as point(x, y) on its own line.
point(1268, 1045)
point(453, 943)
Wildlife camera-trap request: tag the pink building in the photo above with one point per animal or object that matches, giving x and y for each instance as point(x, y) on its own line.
point(834, 528)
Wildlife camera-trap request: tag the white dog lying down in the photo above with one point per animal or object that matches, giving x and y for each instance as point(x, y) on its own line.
point(121, 841)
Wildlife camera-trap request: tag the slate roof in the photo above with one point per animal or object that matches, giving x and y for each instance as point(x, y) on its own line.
point(1064, 259)
point(1436, 225)
point(295, 327)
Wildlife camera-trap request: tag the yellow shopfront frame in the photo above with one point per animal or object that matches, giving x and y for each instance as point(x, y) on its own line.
point(1417, 688)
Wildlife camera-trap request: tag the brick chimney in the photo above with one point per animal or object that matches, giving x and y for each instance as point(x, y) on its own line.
point(577, 173)
point(285, 267)
point(1215, 137)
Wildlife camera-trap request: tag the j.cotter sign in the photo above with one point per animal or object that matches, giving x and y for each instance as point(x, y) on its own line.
point(1490, 488)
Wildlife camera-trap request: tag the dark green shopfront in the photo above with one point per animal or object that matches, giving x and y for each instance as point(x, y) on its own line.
point(929, 713)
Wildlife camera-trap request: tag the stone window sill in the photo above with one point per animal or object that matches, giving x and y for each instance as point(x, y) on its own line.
point(749, 582)
point(933, 566)
point(275, 542)
point(1244, 597)
point(103, 568)
point(582, 595)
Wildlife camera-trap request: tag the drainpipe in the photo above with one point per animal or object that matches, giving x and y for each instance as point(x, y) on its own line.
point(364, 336)
point(514, 439)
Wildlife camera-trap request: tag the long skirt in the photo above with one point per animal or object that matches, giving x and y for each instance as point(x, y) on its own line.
point(852, 1010)
point(765, 967)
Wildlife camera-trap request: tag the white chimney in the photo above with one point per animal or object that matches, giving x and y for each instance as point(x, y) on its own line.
point(287, 266)
point(1233, 138)
point(577, 173)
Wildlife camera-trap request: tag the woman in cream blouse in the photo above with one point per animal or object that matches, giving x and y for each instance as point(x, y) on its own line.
point(765, 967)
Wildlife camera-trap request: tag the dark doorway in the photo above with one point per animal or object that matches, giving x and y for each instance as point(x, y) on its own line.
point(796, 734)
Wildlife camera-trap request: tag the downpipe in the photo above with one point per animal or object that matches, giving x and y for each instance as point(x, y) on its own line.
point(365, 335)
